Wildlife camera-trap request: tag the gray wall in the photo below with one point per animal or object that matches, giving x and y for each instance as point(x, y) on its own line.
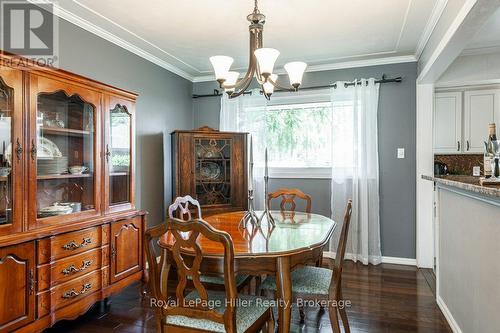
point(164, 104)
point(397, 124)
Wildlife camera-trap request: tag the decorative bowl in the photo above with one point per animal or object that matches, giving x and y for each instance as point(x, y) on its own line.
point(4, 171)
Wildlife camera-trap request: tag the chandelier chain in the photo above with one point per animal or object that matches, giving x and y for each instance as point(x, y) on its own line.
point(256, 7)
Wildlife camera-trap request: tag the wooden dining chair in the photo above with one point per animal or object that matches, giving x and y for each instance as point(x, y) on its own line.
point(316, 283)
point(288, 196)
point(201, 310)
point(181, 207)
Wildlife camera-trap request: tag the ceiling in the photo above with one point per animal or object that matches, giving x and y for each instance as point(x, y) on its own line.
point(487, 40)
point(181, 35)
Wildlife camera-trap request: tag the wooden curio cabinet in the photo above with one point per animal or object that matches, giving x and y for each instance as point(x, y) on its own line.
point(69, 231)
point(211, 166)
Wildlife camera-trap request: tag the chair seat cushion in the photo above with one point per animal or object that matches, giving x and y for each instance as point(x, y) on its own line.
point(245, 315)
point(240, 279)
point(305, 280)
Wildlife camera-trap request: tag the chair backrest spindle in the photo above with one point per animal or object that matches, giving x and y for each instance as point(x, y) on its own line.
point(182, 204)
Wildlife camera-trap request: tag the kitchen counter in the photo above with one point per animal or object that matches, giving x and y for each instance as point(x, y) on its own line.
point(467, 248)
point(467, 183)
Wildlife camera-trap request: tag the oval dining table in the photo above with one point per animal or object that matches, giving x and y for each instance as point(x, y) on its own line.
point(296, 239)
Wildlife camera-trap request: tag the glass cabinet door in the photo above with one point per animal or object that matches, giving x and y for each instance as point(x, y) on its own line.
point(119, 154)
point(11, 151)
point(64, 144)
point(213, 170)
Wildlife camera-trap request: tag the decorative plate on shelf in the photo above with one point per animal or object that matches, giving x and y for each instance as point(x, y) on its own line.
point(210, 171)
point(55, 210)
point(47, 149)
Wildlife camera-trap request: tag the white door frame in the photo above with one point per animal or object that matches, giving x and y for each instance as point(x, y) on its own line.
point(468, 21)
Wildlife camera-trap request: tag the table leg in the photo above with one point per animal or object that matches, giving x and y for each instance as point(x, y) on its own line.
point(284, 288)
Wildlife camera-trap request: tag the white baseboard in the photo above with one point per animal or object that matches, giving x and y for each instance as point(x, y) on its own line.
point(399, 261)
point(385, 260)
point(447, 314)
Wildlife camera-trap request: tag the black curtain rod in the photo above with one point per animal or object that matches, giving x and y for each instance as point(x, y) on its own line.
point(384, 79)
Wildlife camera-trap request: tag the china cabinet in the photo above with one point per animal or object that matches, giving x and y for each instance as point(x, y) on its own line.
point(69, 231)
point(211, 166)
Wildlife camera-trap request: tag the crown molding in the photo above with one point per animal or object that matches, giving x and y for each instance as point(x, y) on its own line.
point(98, 31)
point(437, 11)
point(337, 65)
point(481, 51)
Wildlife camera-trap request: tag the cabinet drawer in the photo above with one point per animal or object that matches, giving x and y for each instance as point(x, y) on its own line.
point(65, 245)
point(69, 292)
point(65, 269)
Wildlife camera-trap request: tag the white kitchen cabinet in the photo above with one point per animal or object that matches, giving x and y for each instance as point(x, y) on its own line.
point(448, 123)
point(481, 107)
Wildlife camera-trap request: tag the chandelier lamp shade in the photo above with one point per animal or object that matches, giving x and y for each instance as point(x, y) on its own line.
point(261, 65)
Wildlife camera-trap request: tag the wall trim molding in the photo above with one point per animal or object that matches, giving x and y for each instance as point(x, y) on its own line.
point(467, 85)
point(447, 314)
point(480, 51)
point(431, 24)
point(399, 261)
point(385, 260)
point(337, 65)
point(425, 165)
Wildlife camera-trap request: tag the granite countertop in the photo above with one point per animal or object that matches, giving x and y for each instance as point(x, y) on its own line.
point(468, 183)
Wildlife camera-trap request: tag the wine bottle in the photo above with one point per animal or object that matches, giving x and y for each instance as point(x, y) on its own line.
point(492, 132)
point(489, 158)
point(487, 162)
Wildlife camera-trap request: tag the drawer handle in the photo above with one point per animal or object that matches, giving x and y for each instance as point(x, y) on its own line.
point(73, 293)
point(73, 245)
point(71, 269)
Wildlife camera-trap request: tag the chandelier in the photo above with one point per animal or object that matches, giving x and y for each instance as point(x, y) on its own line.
point(260, 66)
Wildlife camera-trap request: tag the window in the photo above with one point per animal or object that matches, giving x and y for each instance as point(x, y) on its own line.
point(299, 135)
point(305, 138)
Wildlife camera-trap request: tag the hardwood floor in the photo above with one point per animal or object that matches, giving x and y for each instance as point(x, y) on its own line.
point(385, 298)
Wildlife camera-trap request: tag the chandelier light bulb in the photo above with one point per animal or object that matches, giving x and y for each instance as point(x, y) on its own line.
point(221, 65)
point(295, 72)
point(231, 78)
point(268, 86)
point(266, 58)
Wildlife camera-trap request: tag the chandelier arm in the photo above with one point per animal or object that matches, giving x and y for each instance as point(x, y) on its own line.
point(241, 91)
point(277, 85)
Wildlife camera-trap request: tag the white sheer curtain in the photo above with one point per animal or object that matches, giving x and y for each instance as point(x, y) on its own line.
point(247, 113)
point(355, 170)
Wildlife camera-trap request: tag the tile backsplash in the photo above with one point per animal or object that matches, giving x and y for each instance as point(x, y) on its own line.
point(461, 164)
